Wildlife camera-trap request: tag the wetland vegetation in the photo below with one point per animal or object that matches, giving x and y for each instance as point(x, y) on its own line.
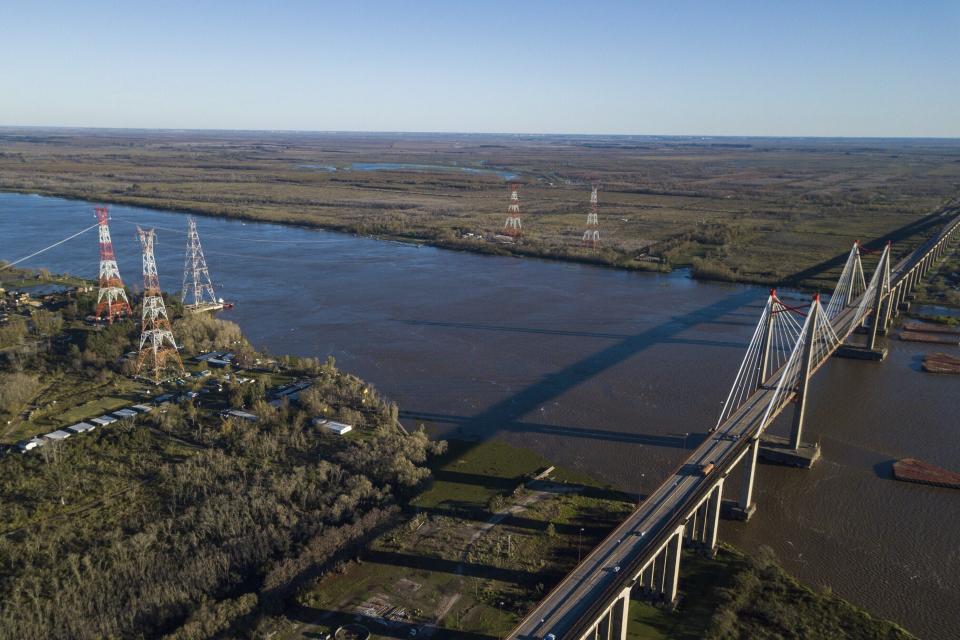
point(765, 210)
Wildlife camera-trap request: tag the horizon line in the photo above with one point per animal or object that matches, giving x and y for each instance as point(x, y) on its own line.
point(398, 132)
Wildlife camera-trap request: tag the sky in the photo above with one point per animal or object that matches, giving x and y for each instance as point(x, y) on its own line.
point(772, 67)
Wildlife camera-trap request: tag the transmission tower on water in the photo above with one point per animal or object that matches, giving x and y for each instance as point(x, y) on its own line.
point(158, 349)
point(512, 226)
point(196, 276)
point(111, 298)
point(591, 237)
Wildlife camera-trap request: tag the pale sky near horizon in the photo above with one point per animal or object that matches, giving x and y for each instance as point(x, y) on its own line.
point(815, 68)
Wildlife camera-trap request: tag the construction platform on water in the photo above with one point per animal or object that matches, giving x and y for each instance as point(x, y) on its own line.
point(913, 470)
point(207, 306)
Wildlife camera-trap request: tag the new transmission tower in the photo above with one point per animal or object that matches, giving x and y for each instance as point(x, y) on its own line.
point(591, 236)
point(158, 349)
point(111, 299)
point(196, 277)
point(512, 226)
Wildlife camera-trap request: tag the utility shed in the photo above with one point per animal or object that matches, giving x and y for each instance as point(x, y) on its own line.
point(333, 426)
point(81, 427)
point(59, 434)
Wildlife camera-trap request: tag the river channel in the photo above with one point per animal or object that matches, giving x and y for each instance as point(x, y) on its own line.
point(599, 370)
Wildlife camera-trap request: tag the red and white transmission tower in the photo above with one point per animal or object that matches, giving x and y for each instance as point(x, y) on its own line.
point(111, 299)
point(512, 226)
point(196, 276)
point(591, 236)
point(158, 349)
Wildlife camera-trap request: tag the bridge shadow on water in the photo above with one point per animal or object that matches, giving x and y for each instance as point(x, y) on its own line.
point(508, 414)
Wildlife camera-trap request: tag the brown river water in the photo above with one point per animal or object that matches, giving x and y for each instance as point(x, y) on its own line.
point(599, 370)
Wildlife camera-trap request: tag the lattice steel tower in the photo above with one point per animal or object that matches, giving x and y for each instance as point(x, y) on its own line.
point(158, 349)
point(196, 277)
point(512, 226)
point(111, 299)
point(591, 236)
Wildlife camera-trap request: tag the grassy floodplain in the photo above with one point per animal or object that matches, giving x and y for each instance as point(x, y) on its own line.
point(763, 210)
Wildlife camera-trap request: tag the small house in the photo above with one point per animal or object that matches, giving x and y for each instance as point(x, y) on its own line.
point(104, 420)
point(333, 426)
point(143, 408)
point(81, 427)
point(124, 414)
point(59, 434)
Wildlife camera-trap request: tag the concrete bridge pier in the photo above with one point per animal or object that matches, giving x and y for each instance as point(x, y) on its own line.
point(745, 507)
point(703, 523)
point(612, 625)
point(660, 577)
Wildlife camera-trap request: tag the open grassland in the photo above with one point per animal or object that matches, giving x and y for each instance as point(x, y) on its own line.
point(477, 550)
point(760, 210)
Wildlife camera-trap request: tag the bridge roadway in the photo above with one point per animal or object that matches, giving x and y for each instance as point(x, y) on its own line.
point(575, 604)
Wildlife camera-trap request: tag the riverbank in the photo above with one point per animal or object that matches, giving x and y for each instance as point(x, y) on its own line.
point(734, 595)
point(201, 505)
point(727, 213)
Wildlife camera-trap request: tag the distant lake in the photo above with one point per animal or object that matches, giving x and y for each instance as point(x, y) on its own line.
point(428, 168)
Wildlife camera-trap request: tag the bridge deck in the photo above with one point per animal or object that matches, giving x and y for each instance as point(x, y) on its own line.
point(594, 582)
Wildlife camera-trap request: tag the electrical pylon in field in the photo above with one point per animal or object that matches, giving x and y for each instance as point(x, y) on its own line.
point(512, 227)
point(111, 298)
point(158, 349)
point(591, 237)
point(196, 276)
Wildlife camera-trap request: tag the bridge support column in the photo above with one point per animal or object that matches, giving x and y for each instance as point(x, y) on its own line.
point(887, 312)
point(620, 616)
point(713, 517)
point(745, 507)
point(672, 574)
point(603, 626)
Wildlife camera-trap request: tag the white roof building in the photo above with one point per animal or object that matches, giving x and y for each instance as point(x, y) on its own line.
point(59, 434)
point(124, 413)
point(143, 408)
point(104, 420)
point(81, 427)
point(338, 428)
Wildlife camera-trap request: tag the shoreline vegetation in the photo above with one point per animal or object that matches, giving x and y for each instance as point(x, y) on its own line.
point(751, 210)
point(184, 522)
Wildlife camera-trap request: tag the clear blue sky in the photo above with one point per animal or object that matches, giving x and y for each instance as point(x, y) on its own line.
point(769, 67)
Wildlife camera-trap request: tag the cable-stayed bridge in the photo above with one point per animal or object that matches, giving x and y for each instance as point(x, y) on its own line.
point(641, 558)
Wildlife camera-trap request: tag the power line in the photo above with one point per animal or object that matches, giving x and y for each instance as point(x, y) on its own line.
point(55, 244)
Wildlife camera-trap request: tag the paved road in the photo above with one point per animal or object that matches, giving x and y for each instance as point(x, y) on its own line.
point(594, 580)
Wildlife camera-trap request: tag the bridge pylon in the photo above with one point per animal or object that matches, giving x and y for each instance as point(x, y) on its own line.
point(881, 285)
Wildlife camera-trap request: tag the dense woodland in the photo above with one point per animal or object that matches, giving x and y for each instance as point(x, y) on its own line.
point(184, 523)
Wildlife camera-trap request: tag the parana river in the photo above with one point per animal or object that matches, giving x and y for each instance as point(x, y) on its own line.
point(599, 370)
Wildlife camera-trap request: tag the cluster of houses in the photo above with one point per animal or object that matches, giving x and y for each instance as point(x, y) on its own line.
point(83, 427)
point(288, 392)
